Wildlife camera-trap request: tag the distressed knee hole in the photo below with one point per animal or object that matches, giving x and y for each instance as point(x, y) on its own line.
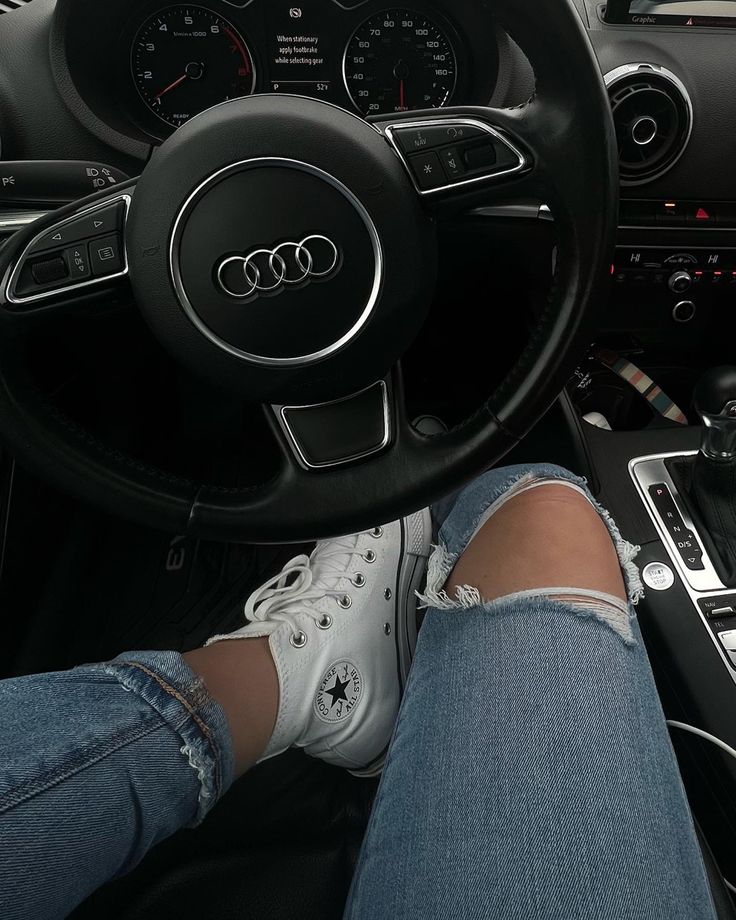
point(607, 608)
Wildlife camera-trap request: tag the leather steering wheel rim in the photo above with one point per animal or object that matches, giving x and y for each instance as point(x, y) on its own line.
point(567, 130)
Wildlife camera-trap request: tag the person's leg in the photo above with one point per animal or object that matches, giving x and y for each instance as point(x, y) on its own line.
point(100, 763)
point(531, 775)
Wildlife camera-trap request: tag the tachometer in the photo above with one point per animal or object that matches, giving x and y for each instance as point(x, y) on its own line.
point(399, 60)
point(186, 59)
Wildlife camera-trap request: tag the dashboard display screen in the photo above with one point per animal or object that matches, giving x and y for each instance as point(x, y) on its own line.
point(367, 56)
point(300, 49)
point(689, 13)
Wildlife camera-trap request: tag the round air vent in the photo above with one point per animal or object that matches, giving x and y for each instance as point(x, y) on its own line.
point(653, 115)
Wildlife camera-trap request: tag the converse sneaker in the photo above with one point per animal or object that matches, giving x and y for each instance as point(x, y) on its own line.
point(342, 630)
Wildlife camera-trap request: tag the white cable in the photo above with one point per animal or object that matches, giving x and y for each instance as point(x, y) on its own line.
point(683, 726)
point(701, 734)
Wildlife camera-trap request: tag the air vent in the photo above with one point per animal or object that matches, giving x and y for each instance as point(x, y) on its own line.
point(7, 6)
point(653, 115)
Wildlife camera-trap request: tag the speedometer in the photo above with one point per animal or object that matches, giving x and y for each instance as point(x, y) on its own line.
point(186, 59)
point(399, 60)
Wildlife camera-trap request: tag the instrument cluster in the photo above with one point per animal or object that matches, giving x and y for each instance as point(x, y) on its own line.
point(172, 62)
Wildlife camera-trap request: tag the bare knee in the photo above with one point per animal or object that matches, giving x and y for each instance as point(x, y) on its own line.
point(547, 537)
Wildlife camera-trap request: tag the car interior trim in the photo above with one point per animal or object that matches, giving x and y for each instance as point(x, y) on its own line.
point(11, 221)
point(646, 472)
point(19, 300)
point(613, 77)
point(281, 413)
point(522, 163)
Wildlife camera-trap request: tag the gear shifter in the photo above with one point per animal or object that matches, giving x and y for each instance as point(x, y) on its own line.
point(715, 403)
point(713, 488)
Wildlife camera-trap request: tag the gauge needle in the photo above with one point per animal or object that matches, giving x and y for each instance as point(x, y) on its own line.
point(173, 85)
point(402, 94)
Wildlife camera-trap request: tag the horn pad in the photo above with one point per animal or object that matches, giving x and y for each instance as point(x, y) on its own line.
point(300, 277)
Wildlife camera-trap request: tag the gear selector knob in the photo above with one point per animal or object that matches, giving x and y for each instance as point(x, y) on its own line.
point(715, 403)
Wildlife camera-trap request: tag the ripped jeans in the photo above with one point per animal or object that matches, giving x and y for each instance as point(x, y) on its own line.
point(530, 777)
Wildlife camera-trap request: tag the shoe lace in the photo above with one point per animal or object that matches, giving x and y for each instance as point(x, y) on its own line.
point(303, 580)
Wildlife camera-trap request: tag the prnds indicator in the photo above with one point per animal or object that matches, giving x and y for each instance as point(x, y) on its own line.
point(186, 59)
point(399, 60)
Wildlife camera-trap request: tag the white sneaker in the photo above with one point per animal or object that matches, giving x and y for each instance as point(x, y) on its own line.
point(342, 631)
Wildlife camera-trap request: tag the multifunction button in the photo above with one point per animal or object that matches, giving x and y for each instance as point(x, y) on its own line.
point(105, 220)
point(687, 545)
point(446, 154)
point(107, 255)
point(417, 140)
point(77, 251)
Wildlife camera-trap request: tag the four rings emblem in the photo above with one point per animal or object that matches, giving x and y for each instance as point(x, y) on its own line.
point(268, 271)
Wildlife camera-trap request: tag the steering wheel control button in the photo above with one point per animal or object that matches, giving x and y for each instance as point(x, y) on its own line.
point(106, 255)
point(658, 576)
point(469, 151)
point(427, 170)
point(101, 222)
point(453, 163)
point(66, 256)
point(480, 156)
point(77, 258)
point(417, 140)
point(49, 271)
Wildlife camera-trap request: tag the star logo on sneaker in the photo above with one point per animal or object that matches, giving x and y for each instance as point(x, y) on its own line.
point(339, 692)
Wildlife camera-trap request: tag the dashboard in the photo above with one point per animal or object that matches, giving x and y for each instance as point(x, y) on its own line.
point(153, 66)
point(107, 82)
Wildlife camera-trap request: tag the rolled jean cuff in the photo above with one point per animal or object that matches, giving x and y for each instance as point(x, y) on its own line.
point(179, 696)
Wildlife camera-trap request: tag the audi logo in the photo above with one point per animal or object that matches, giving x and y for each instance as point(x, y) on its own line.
point(268, 271)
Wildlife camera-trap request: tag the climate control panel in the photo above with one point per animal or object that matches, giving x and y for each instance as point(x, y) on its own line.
point(681, 271)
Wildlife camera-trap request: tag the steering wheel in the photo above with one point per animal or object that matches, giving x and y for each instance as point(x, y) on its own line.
point(287, 250)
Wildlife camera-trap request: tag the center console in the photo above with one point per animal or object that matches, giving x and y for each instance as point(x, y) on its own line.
point(686, 558)
point(688, 614)
point(675, 263)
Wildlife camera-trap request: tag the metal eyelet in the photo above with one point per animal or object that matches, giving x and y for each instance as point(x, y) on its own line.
point(377, 533)
point(388, 594)
point(325, 622)
point(346, 602)
point(298, 640)
point(369, 556)
point(358, 580)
